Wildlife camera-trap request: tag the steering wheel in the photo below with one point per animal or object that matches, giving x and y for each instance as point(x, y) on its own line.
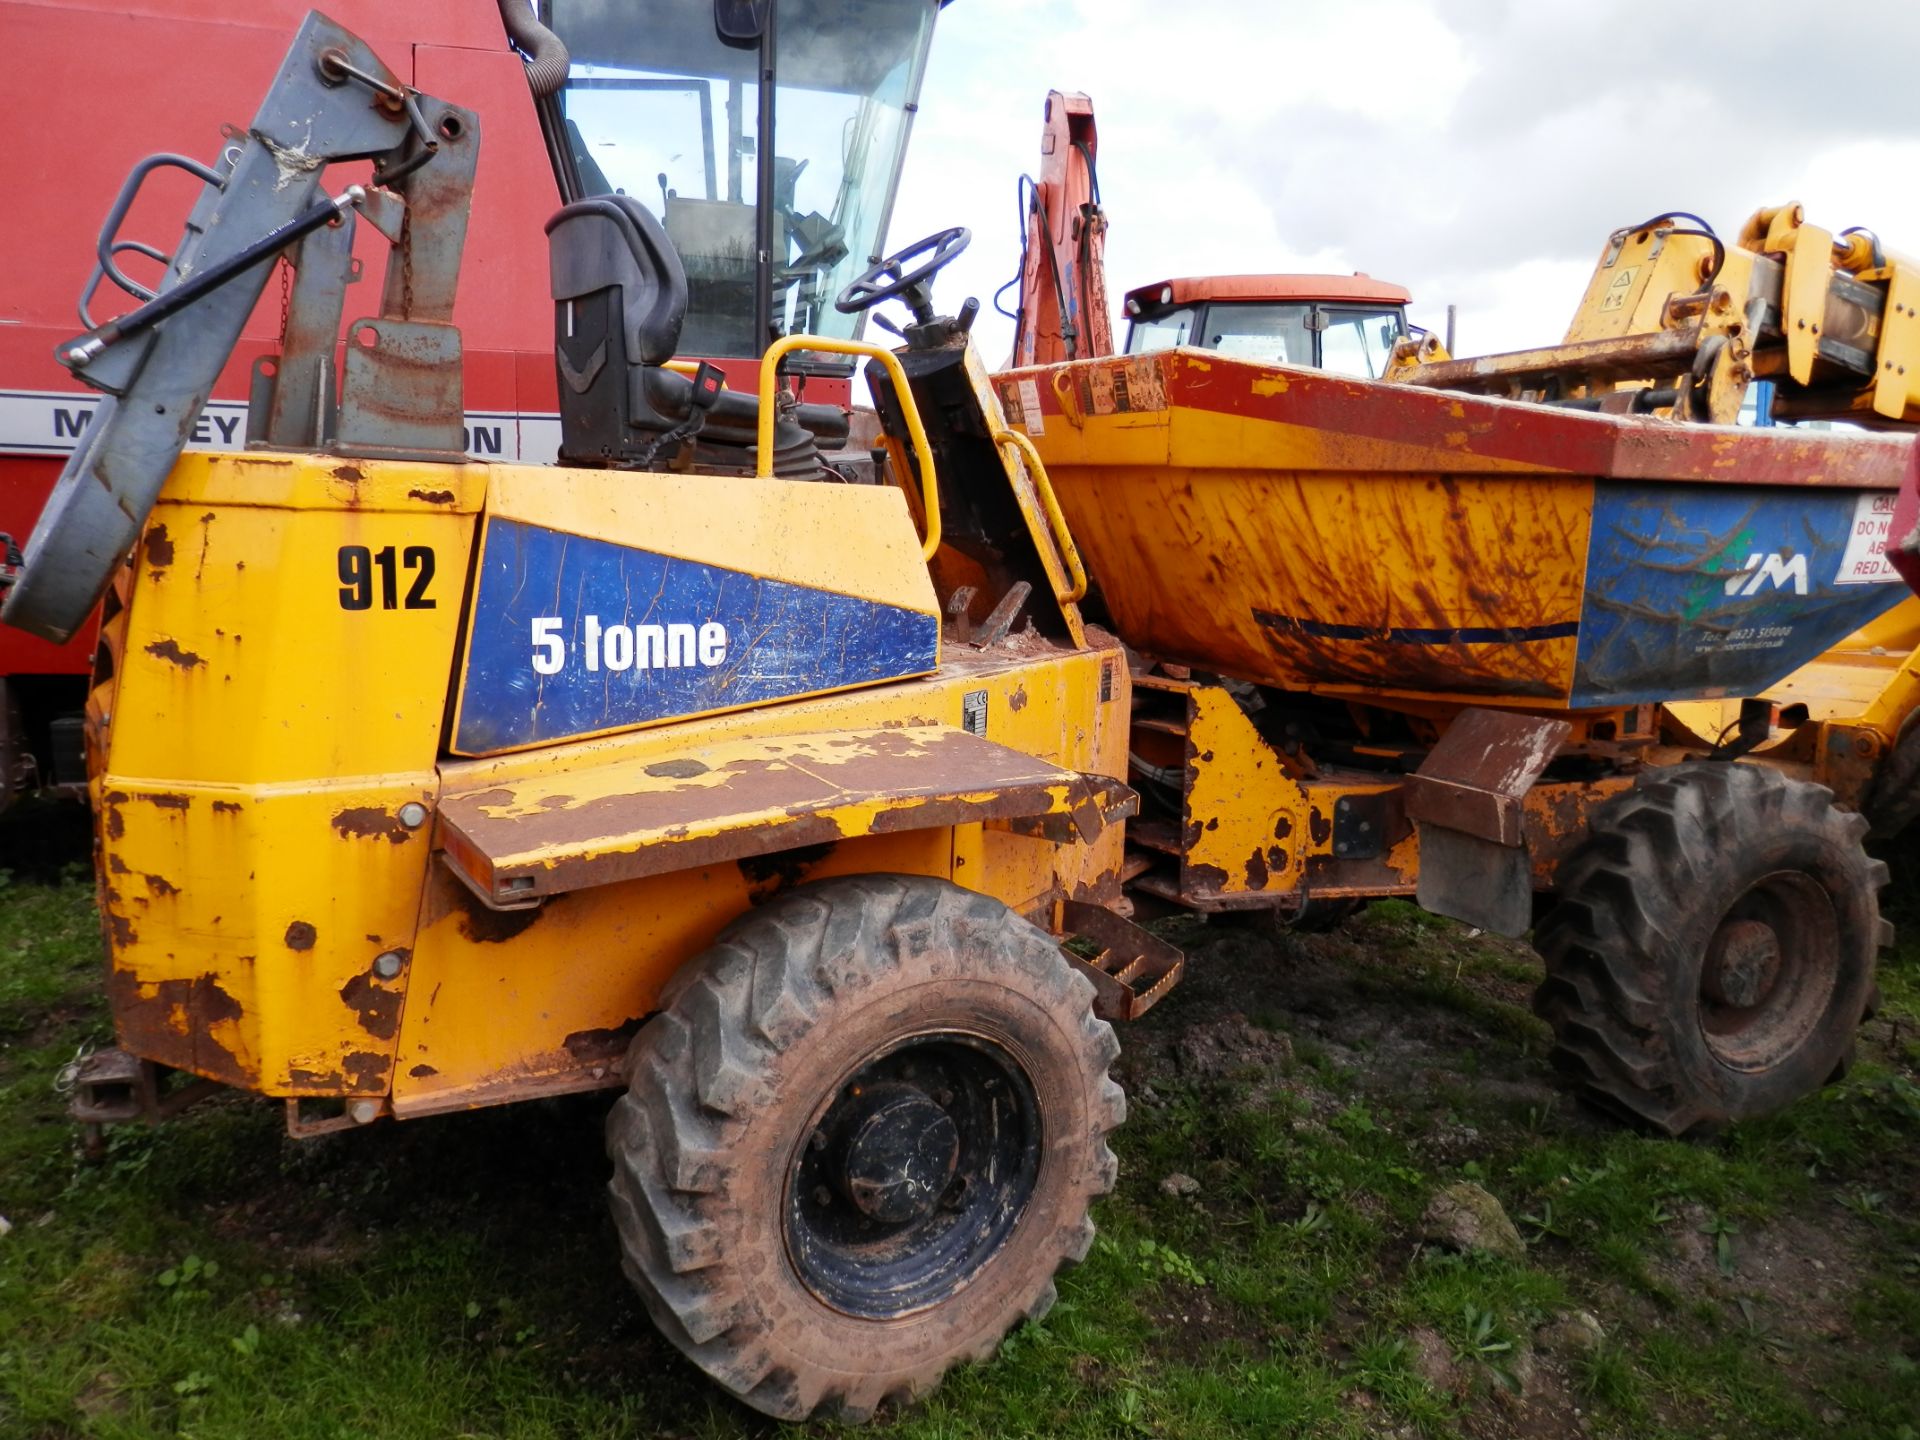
point(890, 279)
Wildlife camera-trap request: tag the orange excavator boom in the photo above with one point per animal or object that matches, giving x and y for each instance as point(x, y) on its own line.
point(1063, 283)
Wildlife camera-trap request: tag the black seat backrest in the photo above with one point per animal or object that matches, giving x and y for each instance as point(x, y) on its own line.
point(614, 241)
point(620, 298)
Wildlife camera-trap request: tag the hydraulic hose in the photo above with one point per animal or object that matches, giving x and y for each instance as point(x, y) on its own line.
point(547, 58)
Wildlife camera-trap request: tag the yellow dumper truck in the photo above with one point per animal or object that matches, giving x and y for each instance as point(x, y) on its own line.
point(772, 802)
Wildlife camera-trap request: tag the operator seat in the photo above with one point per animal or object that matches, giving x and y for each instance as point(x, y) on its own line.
point(620, 298)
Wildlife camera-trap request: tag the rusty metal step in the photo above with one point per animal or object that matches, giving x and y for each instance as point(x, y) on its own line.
point(1133, 968)
point(1161, 835)
point(1160, 724)
point(1160, 883)
point(1136, 863)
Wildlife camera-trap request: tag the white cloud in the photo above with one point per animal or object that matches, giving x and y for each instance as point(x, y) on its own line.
point(1478, 152)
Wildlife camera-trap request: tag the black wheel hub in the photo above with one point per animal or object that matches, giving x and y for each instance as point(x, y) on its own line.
point(900, 1157)
point(914, 1174)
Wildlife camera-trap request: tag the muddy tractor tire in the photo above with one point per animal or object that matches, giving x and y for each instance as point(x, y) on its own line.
point(1710, 956)
point(859, 1140)
point(1892, 802)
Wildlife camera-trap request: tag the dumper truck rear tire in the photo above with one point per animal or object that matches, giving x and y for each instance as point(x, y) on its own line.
point(1711, 954)
point(858, 1141)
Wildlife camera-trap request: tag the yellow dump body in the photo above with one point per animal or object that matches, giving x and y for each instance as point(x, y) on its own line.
point(1317, 533)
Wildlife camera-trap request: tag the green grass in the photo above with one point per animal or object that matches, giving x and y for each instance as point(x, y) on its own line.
point(456, 1277)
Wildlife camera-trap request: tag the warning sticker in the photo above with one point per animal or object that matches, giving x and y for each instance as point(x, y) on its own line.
point(1618, 287)
point(1865, 561)
point(1032, 421)
point(1125, 389)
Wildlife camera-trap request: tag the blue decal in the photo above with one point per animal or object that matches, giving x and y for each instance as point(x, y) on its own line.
point(572, 636)
point(1704, 591)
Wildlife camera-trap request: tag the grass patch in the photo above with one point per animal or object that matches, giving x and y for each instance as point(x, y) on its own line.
point(458, 1277)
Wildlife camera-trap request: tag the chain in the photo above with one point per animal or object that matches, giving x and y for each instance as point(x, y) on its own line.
point(68, 1075)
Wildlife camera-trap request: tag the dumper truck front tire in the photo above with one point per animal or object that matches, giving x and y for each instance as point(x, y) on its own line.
point(858, 1141)
point(1711, 954)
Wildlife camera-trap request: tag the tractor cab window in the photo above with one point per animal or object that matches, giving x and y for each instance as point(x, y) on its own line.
point(1358, 342)
point(1161, 332)
point(1270, 334)
point(660, 108)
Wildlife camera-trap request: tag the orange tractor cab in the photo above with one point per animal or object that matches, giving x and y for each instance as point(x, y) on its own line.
point(1348, 324)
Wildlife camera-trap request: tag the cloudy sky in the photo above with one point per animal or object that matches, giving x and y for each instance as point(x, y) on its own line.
point(1476, 151)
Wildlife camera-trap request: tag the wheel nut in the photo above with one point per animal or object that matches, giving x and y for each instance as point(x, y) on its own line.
point(413, 815)
point(388, 966)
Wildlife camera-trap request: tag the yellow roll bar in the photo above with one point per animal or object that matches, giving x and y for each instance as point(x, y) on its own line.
point(922, 451)
point(1056, 519)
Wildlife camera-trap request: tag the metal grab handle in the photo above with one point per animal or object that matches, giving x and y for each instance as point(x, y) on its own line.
point(107, 244)
point(922, 451)
point(1056, 517)
point(139, 247)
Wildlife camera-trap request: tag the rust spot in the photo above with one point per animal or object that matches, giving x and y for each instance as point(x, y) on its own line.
point(367, 1069)
point(770, 874)
point(421, 1072)
point(169, 800)
point(172, 1021)
point(117, 865)
point(160, 885)
point(1283, 827)
point(1018, 699)
point(493, 927)
point(115, 821)
point(170, 651)
point(1256, 871)
point(158, 546)
point(316, 1079)
point(1202, 881)
point(432, 497)
point(555, 802)
point(1319, 825)
point(122, 930)
point(678, 769)
point(346, 472)
point(370, 822)
point(603, 1044)
point(226, 807)
point(300, 935)
point(379, 1010)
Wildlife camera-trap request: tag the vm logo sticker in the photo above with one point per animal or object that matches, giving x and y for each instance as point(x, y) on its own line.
point(1782, 570)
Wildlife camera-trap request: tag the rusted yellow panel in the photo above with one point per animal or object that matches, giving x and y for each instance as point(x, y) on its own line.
point(496, 996)
point(1244, 829)
point(261, 732)
point(263, 480)
point(248, 660)
point(243, 927)
point(505, 1005)
point(594, 825)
